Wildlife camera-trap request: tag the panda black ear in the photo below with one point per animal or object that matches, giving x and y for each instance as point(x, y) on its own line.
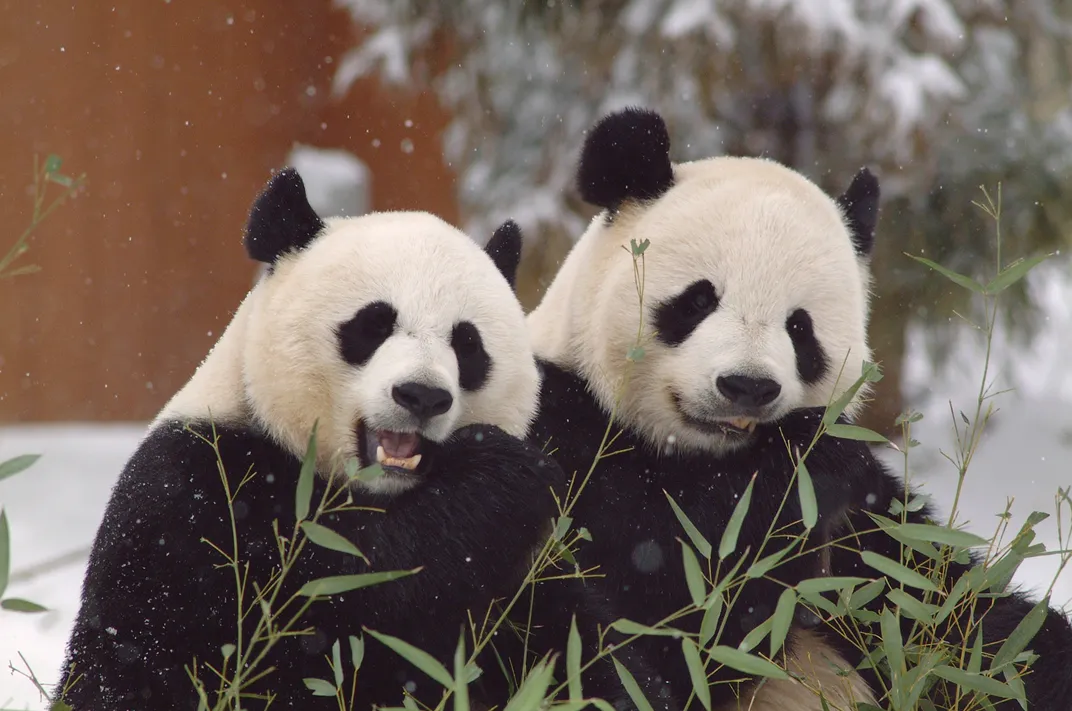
point(504, 248)
point(860, 205)
point(281, 219)
point(625, 157)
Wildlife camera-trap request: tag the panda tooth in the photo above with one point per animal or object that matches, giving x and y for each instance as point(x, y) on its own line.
point(381, 456)
point(414, 461)
point(752, 426)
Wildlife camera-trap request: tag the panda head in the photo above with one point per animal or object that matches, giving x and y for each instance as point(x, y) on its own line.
point(755, 288)
point(390, 330)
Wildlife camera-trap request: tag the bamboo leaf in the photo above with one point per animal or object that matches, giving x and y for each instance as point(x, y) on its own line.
point(18, 464)
point(809, 509)
point(747, 663)
point(818, 585)
point(897, 571)
point(631, 687)
point(711, 616)
point(17, 604)
point(1022, 635)
point(866, 594)
point(763, 566)
point(693, 533)
point(629, 627)
point(696, 672)
point(975, 661)
point(854, 432)
point(417, 657)
point(357, 651)
point(733, 528)
point(966, 282)
point(345, 583)
point(891, 643)
point(5, 552)
point(915, 609)
point(573, 661)
point(693, 575)
point(755, 635)
point(319, 687)
point(326, 538)
point(932, 533)
point(782, 619)
point(461, 680)
point(304, 494)
point(974, 682)
point(1014, 273)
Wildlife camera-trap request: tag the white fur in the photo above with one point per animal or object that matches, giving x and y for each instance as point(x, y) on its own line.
point(768, 239)
point(279, 360)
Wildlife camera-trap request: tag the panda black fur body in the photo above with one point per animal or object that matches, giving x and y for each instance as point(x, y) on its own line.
point(469, 510)
point(755, 296)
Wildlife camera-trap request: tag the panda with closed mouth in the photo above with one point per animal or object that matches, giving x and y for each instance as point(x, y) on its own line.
point(755, 306)
point(403, 342)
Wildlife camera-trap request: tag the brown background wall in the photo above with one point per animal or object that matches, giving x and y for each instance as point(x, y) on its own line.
point(177, 112)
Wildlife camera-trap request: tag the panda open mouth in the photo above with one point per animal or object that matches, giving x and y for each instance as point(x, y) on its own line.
point(731, 427)
point(397, 451)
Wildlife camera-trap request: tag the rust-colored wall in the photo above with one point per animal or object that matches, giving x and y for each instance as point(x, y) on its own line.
point(177, 111)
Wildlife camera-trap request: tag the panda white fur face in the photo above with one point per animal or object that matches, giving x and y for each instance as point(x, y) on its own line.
point(755, 303)
point(390, 331)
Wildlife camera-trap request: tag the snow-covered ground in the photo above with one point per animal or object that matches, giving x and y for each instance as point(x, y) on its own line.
point(54, 507)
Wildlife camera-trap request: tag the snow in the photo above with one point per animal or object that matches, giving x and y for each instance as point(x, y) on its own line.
point(55, 506)
point(336, 181)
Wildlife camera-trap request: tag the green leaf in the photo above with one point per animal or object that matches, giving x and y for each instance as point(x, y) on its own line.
point(461, 680)
point(693, 533)
point(755, 635)
point(16, 604)
point(326, 538)
point(966, 282)
point(762, 566)
point(974, 682)
point(747, 663)
point(5, 552)
point(818, 585)
point(709, 624)
point(1014, 273)
point(53, 163)
point(344, 583)
point(915, 609)
point(629, 627)
point(21, 463)
point(1016, 683)
point(336, 663)
point(863, 596)
point(304, 493)
point(227, 650)
point(809, 509)
point(370, 473)
point(631, 687)
point(357, 651)
point(319, 687)
point(635, 354)
point(573, 661)
point(891, 642)
point(854, 432)
point(975, 661)
point(62, 180)
point(897, 571)
point(417, 657)
point(932, 533)
point(693, 575)
point(870, 373)
point(696, 672)
point(1020, 637)
point(639, 249)
point(782, 619)
point(733, 528)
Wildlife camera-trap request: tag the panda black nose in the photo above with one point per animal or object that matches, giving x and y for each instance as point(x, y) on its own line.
point(421, 400)
point(748, 392)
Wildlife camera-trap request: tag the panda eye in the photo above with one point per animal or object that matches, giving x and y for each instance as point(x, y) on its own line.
point(676, 318)
point(366, 331)
point(812, 362)
point(474, 364)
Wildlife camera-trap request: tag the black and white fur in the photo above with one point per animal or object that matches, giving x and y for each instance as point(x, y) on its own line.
point(391, 331)
point(754, 318)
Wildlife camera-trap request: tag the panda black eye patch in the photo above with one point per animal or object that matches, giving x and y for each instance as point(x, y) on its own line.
point(811, 358)
point(676, 318)
point(366, 331)
point(474, 363)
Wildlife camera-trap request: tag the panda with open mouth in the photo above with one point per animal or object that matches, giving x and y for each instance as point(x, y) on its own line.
point(402, 341)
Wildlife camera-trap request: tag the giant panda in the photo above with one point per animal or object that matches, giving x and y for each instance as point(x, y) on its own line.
point(403, 343)
point(754, 315)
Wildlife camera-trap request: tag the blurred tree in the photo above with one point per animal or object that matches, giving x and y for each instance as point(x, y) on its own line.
point(941, 96)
